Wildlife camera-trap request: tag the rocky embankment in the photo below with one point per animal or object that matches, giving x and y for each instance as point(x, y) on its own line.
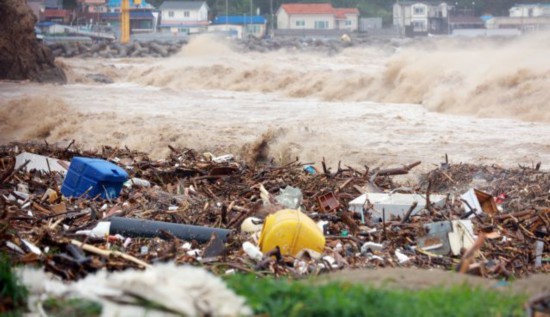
point(322, 45)
point(22, 56)
point(164, 49)
point(116, 50)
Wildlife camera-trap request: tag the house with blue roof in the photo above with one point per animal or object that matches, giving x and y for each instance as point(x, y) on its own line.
point(240, 25)
point(114, 5)
point(142, 20)
point(143, 17)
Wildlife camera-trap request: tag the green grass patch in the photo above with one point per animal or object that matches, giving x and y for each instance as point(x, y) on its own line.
point(71, 307)
point(13, 295)
point(281, 297)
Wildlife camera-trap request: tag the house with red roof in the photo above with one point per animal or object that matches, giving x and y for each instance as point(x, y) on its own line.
point(316, 16)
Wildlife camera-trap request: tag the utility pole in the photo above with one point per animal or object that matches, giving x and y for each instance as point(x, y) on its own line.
point(125, 22)
point(271, 12)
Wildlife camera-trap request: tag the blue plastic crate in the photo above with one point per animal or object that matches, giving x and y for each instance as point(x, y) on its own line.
point(90, 177)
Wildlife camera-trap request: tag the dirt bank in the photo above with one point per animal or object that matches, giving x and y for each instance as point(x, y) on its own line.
point(413, 279)
point(21, 55)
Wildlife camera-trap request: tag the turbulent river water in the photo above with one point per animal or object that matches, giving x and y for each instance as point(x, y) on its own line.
point(479, 101)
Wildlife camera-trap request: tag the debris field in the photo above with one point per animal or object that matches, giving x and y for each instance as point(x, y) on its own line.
point(38, 225)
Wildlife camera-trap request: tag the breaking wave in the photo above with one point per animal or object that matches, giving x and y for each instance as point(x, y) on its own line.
point(487, 78)
point(30, 118)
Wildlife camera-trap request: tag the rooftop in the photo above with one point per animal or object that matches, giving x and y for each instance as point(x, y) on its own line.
point(240, 19)
point(182, 5)
point(317, 8)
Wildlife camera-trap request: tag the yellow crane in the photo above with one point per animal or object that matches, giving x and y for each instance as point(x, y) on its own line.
point(125, 20)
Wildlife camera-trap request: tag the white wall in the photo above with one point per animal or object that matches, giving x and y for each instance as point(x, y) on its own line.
point(401, 15)
point(529, 10)
point(179, 15)
point(282, 19)
point(354, 22)
point(309, 21)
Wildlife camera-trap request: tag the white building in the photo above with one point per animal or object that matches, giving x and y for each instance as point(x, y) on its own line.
point(184, 16)
point(420, 17)
point(319, 16)
point(530, 10)
point(523, 17)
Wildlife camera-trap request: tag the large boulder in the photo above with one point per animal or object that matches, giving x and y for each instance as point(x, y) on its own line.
point(22, 56)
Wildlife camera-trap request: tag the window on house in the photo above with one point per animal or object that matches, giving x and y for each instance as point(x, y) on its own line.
point(348, 22)
point(252, 28)
point(170, 14)
point(418, 10)
point(419, 26)
point(186, 14)
point(300, 23)
point(321, 24)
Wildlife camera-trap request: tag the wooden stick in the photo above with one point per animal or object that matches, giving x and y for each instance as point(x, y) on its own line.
point(345, 183)
point(42, 209)
point(69, 146)
point(470, 254)
point(398, 171)
point(107, 253)
point(409, 212)
point(7, 178)
point(384, 223)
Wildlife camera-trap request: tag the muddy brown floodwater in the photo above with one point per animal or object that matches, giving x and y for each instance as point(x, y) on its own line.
point(485, 103)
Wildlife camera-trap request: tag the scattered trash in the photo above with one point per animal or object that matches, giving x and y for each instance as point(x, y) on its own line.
point(194, 197)
point(223, 159)
point(290, 197)
point(50, 195)
point(462, 236)
point(14, 247)
point(292, 231)
point(215, 247)
point(92, 178)
point(310, 169)
point(33, 248)
point(447, 237)
point(322, 225)
point(372, 246)
point(252, 251)
point(137, 182)
point(40, 163)
point(144, 250)
point(328, 202)
point(401, 258)
point(393, 204)
point(479, 201)
point(100, 230)
point(539, 248)
point(251, 225)
point(147, 229)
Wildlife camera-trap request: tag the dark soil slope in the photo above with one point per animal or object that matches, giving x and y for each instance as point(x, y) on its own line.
point(22, 56)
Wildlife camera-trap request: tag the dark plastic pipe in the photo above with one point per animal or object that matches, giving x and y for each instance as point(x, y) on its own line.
point(129, 227)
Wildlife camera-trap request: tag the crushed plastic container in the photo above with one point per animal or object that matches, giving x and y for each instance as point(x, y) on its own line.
point(93, 177)
point(292, 231)
point(290, 197)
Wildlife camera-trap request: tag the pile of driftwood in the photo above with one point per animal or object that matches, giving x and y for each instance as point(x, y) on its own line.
point(40, 226)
